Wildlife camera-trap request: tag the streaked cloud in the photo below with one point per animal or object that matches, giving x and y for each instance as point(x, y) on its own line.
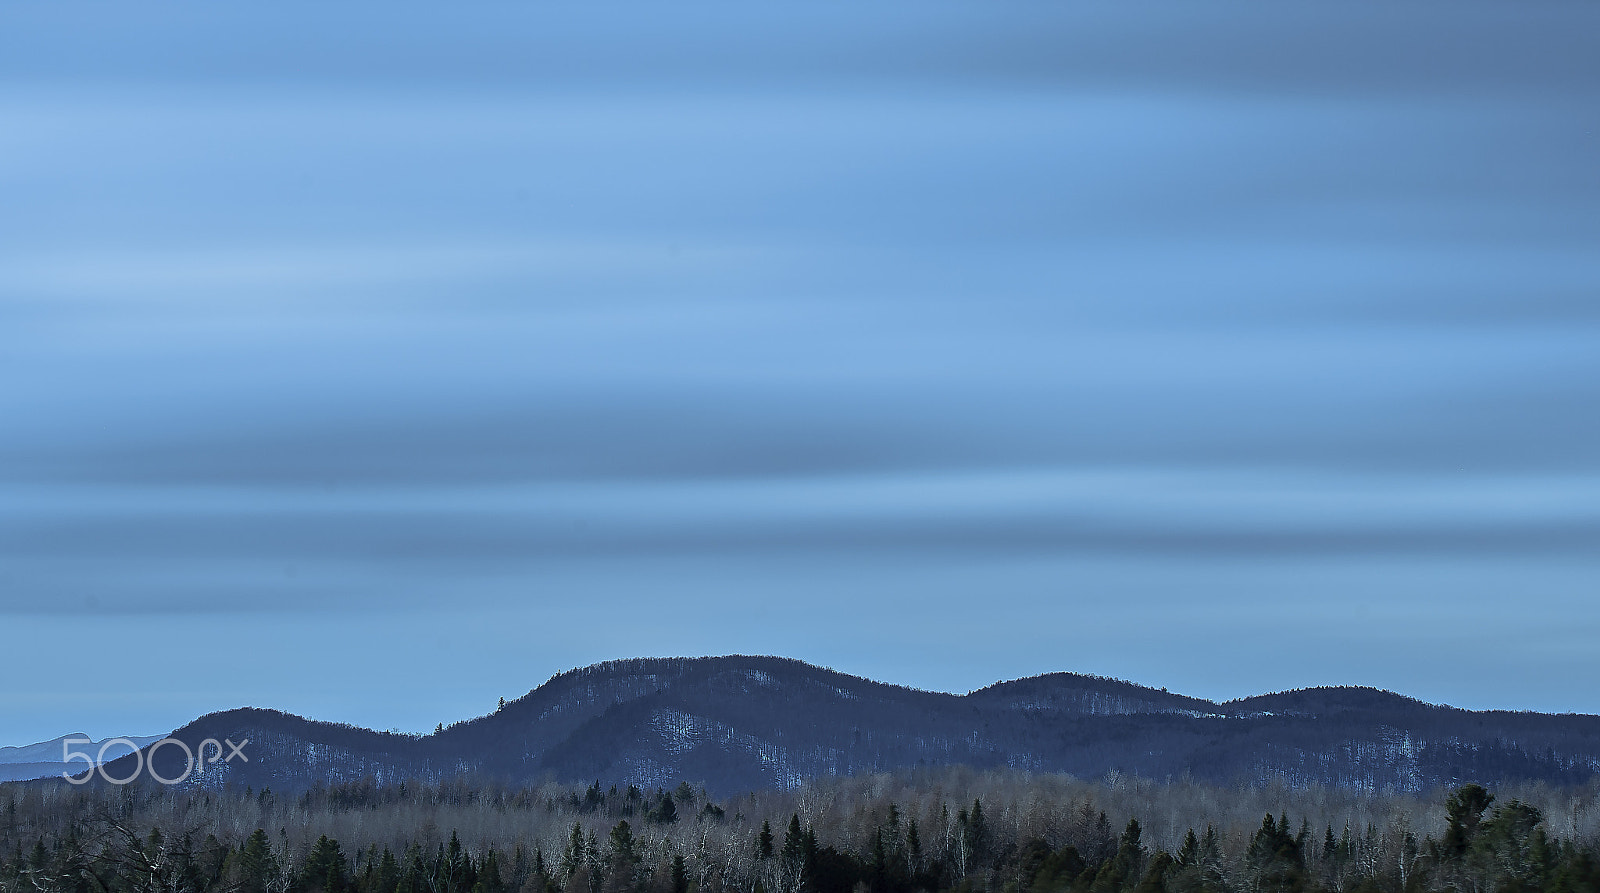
point(930, 341)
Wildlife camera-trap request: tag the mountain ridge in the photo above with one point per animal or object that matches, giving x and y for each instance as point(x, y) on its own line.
point(741, 722)
point(44, 758)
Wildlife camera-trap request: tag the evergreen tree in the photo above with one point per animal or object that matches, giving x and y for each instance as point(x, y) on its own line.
point(411, 871)
point(666, 812)
point(489, 879)
point(325, 867)
point(764, 841)
point(386, 877)
point(1463, 811)
point(878, 864)
point(1276, 858)
point(1125, 868)
point(792, 862)
point(977, 834)
point(255, 866)
point(574, 856)
point(1189, 851)
point(1513, 849)
point(1155, 875)
point(1103, 843)
point(621, 843)
point(622, 860)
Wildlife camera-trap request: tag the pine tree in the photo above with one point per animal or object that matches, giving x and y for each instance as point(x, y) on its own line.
point(792, 862)
point(666, 812)
point(386, 877)
point(489, 879)
point(621, 842)
point(573, 857)
point(1275, 857)
point(975, 834)
point(764, 842)
point(1463, 812)
point(794, 840)
point(1155, 876)
point(457, 867)
point(878, 865)
point(256, 867)
point(325, 867)
point(1189, 852)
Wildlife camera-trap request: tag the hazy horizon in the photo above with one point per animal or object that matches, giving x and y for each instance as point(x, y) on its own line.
point(372, 363)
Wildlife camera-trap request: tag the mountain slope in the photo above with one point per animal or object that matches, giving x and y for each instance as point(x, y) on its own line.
point(44, 759)
point(737, 723)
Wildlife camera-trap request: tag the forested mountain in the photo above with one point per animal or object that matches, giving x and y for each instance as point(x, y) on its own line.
point(746, 723)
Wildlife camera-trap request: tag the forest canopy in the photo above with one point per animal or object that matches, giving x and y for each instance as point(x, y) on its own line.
point(950, 831)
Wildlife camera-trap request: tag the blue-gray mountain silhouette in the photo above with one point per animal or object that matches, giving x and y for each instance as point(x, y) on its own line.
point(740, 723)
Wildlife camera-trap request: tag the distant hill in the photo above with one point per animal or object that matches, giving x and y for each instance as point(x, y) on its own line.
point(739, 723)
point(43, 760)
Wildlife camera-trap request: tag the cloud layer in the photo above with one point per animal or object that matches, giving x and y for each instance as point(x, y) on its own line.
point(1227, 349)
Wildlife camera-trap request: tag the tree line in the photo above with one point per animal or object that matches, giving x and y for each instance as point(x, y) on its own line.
point(947, 831)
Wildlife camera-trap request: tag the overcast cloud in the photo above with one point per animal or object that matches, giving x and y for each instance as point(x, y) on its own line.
point(377, 361)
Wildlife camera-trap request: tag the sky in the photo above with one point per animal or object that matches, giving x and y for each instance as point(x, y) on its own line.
point(376, 361)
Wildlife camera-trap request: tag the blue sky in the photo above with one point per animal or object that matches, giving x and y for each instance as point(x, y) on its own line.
point(379, 361)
